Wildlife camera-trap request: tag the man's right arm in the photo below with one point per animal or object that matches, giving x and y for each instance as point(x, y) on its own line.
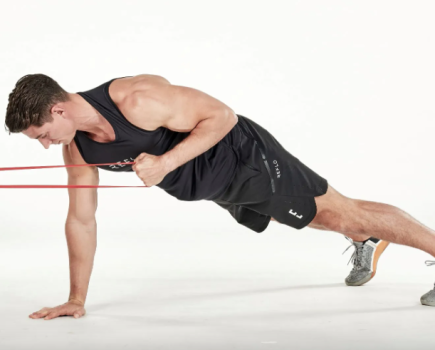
point(81, 225)
point(81, 235)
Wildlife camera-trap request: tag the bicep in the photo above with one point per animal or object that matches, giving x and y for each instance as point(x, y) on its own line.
point(82, 201)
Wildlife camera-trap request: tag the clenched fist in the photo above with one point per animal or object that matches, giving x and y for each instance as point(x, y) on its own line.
point(150, 169)
point(70, 308)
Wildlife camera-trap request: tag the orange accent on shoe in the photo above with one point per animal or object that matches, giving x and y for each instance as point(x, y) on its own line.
point(379, 250)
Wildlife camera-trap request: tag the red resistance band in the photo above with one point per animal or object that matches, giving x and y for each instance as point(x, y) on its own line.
point(61, 186)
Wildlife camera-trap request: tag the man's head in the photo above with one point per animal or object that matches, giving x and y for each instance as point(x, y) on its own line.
point(37, 108)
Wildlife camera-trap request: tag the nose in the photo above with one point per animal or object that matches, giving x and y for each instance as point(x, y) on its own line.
point(46, 143)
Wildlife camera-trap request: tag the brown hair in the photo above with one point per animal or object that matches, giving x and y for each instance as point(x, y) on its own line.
point(31, 100)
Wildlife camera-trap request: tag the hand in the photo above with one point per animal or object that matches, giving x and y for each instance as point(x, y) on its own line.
point(71, 308)
point(150, 169)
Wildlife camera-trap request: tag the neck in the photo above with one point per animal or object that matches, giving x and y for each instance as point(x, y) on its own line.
point(87, 118)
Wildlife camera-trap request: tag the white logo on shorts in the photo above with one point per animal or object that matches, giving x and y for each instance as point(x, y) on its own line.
point(295, 214)
point(278, 172)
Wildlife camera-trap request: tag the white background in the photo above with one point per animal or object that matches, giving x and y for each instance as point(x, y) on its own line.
point(346, 86)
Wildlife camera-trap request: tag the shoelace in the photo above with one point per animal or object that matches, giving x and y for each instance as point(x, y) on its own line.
point(357, 254)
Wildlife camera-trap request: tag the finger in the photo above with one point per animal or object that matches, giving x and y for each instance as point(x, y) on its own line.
point(51, 315)
point(39, 314)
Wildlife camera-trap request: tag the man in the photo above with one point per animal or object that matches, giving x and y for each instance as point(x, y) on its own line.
point(194, 147)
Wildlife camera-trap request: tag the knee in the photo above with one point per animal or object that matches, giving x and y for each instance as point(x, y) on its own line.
point(329, 210)
point(329, 219)
point(338, 213)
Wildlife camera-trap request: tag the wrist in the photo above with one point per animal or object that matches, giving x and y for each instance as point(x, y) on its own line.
point(76, 301)
point(168, 163)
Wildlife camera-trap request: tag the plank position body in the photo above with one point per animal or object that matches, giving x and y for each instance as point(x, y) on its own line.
point(194, 147)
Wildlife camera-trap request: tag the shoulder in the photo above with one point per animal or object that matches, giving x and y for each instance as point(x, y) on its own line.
point(72, 156)
point(140, 99)
point(124, 90)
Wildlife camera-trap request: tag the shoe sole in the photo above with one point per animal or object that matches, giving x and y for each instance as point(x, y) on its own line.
point(426, 303)
point(378, 251)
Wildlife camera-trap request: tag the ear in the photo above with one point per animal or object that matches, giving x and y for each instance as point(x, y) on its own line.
point(58, 109)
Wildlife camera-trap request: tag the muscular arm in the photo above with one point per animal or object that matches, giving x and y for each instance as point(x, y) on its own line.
point(158, 103)
point(81, 225)
point(204, 135)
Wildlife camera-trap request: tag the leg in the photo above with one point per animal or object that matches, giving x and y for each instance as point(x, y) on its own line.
point(387, 222)
point(362, 218)
point(356, 237)
point(367, 249)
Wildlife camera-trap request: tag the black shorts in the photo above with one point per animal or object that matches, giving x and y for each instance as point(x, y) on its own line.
point(269, 182)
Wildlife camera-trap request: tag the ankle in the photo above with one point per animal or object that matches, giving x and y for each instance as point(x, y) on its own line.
point(358, 238)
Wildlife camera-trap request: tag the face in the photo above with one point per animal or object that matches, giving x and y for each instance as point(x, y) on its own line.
point(59, 131)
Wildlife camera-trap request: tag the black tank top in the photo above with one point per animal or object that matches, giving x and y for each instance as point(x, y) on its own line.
point(204, 177)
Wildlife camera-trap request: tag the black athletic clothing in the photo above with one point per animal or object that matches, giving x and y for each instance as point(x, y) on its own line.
point(270, 182)
point(248, 172)
point(203, 177)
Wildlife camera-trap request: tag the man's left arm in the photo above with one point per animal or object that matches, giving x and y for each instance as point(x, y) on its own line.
point(180, 109)
point(209, 130)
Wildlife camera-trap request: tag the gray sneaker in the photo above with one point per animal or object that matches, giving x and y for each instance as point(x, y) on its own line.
point(365, 260)
point(429, 298)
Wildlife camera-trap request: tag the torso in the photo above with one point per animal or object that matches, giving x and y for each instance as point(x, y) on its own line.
point(137, 109)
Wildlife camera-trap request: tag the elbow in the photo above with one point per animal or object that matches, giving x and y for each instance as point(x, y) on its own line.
point(232, 118)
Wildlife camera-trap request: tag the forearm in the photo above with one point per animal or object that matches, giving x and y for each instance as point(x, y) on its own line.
point(82, 244)
point(205, 135)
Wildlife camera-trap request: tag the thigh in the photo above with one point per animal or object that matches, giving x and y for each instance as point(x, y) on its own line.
point(293, 211)
point(289, 176)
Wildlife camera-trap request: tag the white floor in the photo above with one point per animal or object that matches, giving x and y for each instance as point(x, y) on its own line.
point(236, 313)
point(215, 290)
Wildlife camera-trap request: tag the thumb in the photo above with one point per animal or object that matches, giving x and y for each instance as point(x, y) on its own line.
point(140, 156)
point(79, 313)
